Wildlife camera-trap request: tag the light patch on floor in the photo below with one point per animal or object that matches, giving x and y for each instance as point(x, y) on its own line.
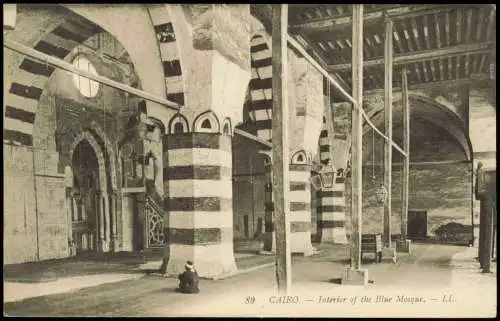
point(14, 291)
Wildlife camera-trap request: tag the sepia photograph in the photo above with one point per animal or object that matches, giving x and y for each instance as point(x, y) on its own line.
point(249, 160)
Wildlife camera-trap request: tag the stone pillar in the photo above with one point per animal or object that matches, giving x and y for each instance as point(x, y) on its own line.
point(300, 209)
point(107, 222)
point(331, 213)
point(114, 222)
point(200, 224)
point(269, 237)
point(100, 226)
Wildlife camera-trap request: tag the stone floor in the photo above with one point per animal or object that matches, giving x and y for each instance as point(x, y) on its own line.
point(445, 276)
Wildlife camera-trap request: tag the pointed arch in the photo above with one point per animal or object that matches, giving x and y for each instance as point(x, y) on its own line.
point(201, 121)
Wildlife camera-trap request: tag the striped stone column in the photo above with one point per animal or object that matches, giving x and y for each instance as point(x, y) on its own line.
point(331, 213)
point(300, 209)
point(200, 218)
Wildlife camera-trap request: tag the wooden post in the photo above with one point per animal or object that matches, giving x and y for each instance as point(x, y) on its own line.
point(388, 131)
point(280, 147)
point(357, 136)
point(406, 160)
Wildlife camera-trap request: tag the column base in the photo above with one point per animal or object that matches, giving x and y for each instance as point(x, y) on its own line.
point(352, 276)
point(104, 246)
point(301, 243)
point(334, 236)
point(211, 262)
point(389, 254)
point(269, 242)
point(403, 246)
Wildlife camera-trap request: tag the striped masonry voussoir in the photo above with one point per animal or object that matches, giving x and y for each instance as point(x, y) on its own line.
point(199, 140)
point(340, 180)
point(322, 193)
point(330, 208)
point(324, 224)
point(17, 136)
point(200, 188)
point(262, 72)
point(261, 63)
point(52, 50)
point(172, 68)
point(199, 157)
point(69, 35)
point(258, 47)
point(19, 114)
point(297, 169)
point(260, 83)
point(36, 68)
point(263, 124)
point(327, 201)
point(198, 172)
point(188, 220)
point(205, 204)
point(263, 114)
point(323, 133)
point(261, 105)
point(262, 54)
point(298, 227)
point(299, 206)
point(25, 91)
point(176, 98)
point(298, 186)
point(261, 94)
point(324, 148)
point(18, 125)
point(196, 236)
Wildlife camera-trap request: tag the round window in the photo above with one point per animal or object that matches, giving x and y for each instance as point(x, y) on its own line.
point(87, 87)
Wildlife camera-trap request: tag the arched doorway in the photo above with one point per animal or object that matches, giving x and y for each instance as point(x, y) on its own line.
point(86, 188)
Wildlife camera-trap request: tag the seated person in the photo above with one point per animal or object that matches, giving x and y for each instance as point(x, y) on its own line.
point(188, 280)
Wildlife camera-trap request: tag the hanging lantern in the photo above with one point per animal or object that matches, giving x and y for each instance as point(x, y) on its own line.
point(9, 16)
point(327, 176)
point(381, 194)
point(323, 177)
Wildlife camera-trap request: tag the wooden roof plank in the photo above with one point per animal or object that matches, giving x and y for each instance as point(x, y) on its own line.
point(396, 12)
point(417, 56)
point(490, 26)
point(479, 24)
point(450, 68)
point(438, 32)
point(476, 78)
point(426, 32)
point(417, 72)
point(441, 69)
point(466, 65)
point(459, 25)
point(433, 70)
point(447, 28)
point(426, 74)
point(416, 34)
point(481, 64)
point(398, 40)
point(468, 29)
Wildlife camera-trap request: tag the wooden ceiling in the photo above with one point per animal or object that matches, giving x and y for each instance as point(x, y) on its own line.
point(440, 42)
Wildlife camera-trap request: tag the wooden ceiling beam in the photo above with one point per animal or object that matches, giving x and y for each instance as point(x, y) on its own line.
point(468, 27)
point(490, 26)
point(416, 34)
point(479, 80)
point(459, 25)
point(426, 33)
point(345, 21)
point(417, 72)
point(418, 56)
point(438, 31)
point(447, 28)
point(450, 69)
point(426, 74)
point(433, 70)
point(397, 38)
point(441, 69)
point(479, 24)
